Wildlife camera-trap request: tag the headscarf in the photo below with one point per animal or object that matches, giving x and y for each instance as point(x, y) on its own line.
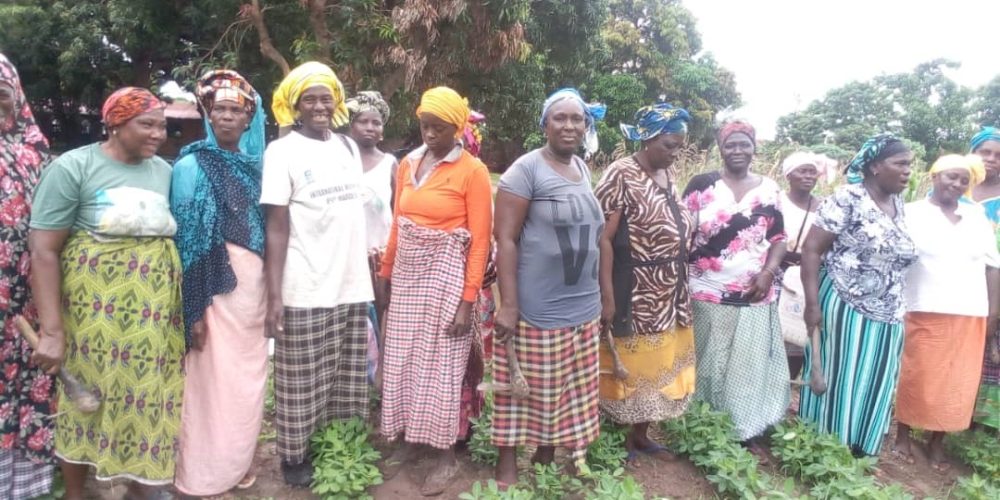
point(218, 207)
point(824, 164)
point(225, 85)
point(368, 100)
point(472, 138)
point(971, 163)
point(447, 105)
point(986, 134)
point(736, 127)
point(651, 121)
point(303, 77)
point(593, 112)
point(127, 103)
point(873, 150)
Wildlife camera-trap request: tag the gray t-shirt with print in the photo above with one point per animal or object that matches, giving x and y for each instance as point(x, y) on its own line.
point(557, 285)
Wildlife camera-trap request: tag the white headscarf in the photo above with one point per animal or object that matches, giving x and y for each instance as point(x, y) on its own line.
point(826, 166)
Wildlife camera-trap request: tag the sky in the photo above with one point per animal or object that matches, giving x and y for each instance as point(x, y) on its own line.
point(787, 53)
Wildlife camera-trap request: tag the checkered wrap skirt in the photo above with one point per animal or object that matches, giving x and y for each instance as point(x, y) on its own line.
point(562, 371)
point(423, 365)
point(319, 373)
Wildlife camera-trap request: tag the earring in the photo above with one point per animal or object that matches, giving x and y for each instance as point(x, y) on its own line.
point(114, 132)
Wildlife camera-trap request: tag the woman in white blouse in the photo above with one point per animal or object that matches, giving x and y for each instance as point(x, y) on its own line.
point(952, 301)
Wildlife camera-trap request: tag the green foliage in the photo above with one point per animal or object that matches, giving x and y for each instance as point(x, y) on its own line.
point(608, 453)
point(974, 488)
point(481, 446)
point(980, 450)
point(822, 461)
point(709, 439)
point(552, 484)
point(491, 491)
point(344, 461)
point(614, 485)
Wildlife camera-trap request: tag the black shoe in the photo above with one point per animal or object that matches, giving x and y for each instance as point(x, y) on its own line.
point(297, 475)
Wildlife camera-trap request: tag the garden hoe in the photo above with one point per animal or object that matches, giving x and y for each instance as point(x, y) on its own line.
point(84, 400)
point(518, 387)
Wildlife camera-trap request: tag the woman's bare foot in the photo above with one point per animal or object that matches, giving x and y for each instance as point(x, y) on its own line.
point(400, 457)
point(903, 448)
point(638, 442)
point(935, 452)
point(444, 470)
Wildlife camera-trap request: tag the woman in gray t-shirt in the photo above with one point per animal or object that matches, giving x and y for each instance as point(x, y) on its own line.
point(547, 226)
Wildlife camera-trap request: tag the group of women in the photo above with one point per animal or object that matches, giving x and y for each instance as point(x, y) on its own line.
point(158, 287)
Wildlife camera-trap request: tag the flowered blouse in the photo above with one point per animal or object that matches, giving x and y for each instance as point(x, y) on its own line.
point(868, 260)
point(732, 237)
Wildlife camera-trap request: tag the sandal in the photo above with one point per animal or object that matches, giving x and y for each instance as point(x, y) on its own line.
point(247, 482)
point(658, 450)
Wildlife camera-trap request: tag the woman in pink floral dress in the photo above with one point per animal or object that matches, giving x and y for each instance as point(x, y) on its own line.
point(739, 243)
point(26, 463)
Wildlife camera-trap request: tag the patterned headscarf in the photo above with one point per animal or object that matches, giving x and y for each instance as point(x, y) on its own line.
point(127, 103)
point(736, 127)
point(986, 134)
point(874, 149)
point(447, 105)
point(593, 112)
point(368, 100)
point(23, 152)
point(225, 85)
point(303, 77)
point(651, 121)
point(971, 163)
point(472, 138)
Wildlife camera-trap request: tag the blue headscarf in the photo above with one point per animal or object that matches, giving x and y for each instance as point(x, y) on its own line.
point(986, 134)
point(215, 198)
point(651, 121)
point(593, 112)
point(874, 149)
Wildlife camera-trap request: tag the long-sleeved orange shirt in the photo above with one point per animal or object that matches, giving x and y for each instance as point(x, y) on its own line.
point(456, 193)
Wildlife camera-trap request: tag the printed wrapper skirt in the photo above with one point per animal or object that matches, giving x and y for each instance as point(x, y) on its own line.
point(424, 366)
point(122, 314)
point(561, 368)
point(661, 377)
point(860, 359)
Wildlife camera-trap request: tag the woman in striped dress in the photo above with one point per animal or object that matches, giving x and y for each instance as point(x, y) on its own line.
point(854, 301)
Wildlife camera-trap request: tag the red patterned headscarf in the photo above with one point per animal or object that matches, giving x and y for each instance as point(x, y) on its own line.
point(737, 127)
point(127, 103)
point(23, 151)
point(225, 85)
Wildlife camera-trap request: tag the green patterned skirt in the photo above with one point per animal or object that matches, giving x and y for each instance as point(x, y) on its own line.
point(122, 315)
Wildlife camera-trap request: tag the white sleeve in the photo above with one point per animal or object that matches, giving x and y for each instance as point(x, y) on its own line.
point(990, 242)
point(276, 183)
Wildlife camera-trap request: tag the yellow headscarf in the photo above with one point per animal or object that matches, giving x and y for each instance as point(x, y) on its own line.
point(308, 75)
point(970, 163)
point(447, 105)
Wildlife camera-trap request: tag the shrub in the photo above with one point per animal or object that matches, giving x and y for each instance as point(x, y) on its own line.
point(344, 461)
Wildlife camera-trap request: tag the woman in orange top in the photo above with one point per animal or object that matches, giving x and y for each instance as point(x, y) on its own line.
point(434, 265)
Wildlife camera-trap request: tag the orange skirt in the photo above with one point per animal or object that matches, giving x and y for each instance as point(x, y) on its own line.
point(941, 367)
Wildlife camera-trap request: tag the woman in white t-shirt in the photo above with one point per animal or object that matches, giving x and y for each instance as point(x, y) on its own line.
point(802, 170)
point(951, 299)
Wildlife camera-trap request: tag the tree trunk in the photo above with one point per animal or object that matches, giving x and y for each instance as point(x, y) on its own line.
point(267, 48)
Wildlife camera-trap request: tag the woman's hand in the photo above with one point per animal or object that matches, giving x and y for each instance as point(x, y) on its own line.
point(274, 323)
point(791, 259)
point(812, 316)
point(463, 319)
point(198, 335)
point(382, 292)
point(51, 351)
point(816, 380)
point(760, 285)
point(505, 323)
point(607, 311)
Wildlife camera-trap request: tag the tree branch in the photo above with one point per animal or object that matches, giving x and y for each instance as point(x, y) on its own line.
point(317, 19)
point(267, 49)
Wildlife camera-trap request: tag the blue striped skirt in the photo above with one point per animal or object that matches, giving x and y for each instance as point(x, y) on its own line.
point(860, 359)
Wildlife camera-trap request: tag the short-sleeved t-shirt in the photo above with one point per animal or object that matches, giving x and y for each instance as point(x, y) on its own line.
point(558, 250)
point(870, 255)
point(85, 189)
point(320, 183)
